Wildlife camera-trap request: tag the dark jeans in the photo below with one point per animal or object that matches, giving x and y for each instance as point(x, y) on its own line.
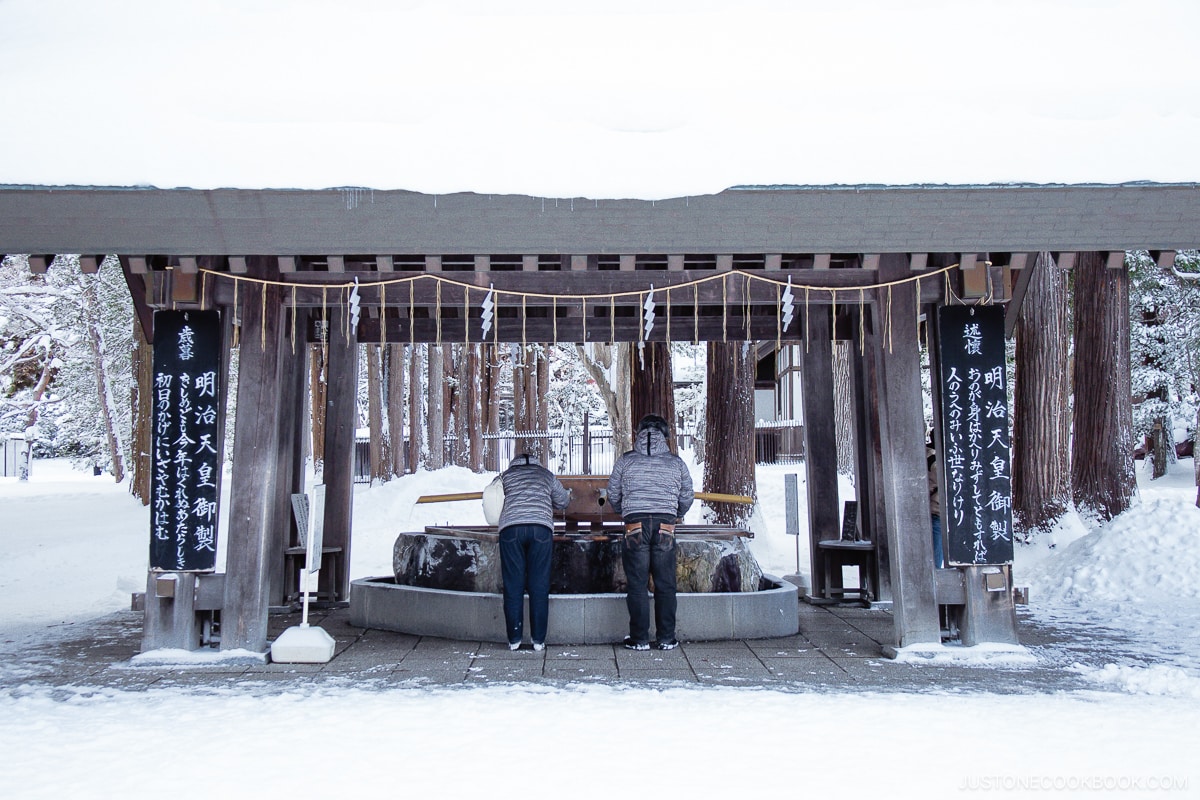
point(938, 560)
point(649, 552)
point(525, 552)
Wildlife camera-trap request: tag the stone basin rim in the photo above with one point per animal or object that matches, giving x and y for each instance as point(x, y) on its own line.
point(598, 618)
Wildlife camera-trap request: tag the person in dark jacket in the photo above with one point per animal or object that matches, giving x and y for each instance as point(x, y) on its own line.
point(651, 488)
point(531, 494)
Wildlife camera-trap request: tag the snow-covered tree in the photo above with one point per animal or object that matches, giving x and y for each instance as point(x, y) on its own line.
point(1165, 344)
point(65, 372)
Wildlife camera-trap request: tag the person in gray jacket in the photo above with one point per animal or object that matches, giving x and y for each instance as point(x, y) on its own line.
point(651, 488)
point(526, 527)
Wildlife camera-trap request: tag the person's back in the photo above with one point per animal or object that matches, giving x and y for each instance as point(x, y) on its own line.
point(531, 494)
point(650, 479)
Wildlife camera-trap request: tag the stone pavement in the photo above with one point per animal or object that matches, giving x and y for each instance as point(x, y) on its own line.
point(839, 648)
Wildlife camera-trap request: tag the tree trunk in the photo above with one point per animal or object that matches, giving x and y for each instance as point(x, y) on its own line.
point(92, 312)
point(843, 407)
point(394, 367)
point(460, 404)
point(652, 384)
point(316, 382)
point(474, 408)
point(608, 365)
point(436, 457)
point(729, 421)
point(140, 401)
point(415, 417)
point(380, 458)
point(1102, 477)
point(1041, 399)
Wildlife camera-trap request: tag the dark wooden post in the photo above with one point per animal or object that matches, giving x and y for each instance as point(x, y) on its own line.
point(340, 422)
point(868, 456)
point(255, 474)
point(292, 419)
point(905, 487)
point(820, 439)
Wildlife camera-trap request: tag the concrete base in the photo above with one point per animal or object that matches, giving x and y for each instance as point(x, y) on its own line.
point(303, 644)
point(574, 618)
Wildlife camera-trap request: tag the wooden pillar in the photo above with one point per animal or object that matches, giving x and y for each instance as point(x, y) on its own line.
point(868, 456)
point(292, 419)
point(255, 474)
point(652, 385)
point(905, 488)
point(340, 423)
point(820, 439)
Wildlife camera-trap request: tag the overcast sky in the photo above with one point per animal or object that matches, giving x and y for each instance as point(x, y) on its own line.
point(605, 99)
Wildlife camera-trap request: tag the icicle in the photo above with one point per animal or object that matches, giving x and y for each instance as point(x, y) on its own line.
point(237, 321)
point(466, 314)
point(918, 311)
point(696, 314)
point(888, 318)
point(862, 325)
point(668, 317)
point(293, 319)
point(382, 318)
point(724, 309)
point(262, 320)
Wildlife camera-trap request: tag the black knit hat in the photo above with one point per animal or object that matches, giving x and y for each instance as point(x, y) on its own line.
point(655, 422)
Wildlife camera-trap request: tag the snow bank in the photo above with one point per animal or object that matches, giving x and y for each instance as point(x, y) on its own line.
point(1148, 555)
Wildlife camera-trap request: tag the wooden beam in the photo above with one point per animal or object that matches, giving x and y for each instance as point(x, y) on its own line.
point(237, 265)
point(287, 264)
point(870, 261)
point(433, 263)
point(918, 261)
point(821, 261)
point(483, 263)
point(384, 264)
point(1116, 259)
point(39, 263)
point(529, 263)
point(1165, 259)
point(772, 262)
point(1066, 261)
point(1020, 260)
point(335, 264)
point(675, 263)
point(1013, 311)
point(188, 265)
point(579, 263)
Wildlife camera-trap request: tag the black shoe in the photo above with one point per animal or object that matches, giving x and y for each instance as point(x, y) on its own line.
point(630, 644)
point(670, 644)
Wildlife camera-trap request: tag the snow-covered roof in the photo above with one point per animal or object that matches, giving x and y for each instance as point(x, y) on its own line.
point(621, 99)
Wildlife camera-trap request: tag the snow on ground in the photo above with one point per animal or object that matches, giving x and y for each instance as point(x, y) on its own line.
point(74, 547)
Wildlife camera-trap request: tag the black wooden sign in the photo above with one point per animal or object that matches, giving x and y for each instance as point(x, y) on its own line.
point(977, 511)
point(187, 390)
